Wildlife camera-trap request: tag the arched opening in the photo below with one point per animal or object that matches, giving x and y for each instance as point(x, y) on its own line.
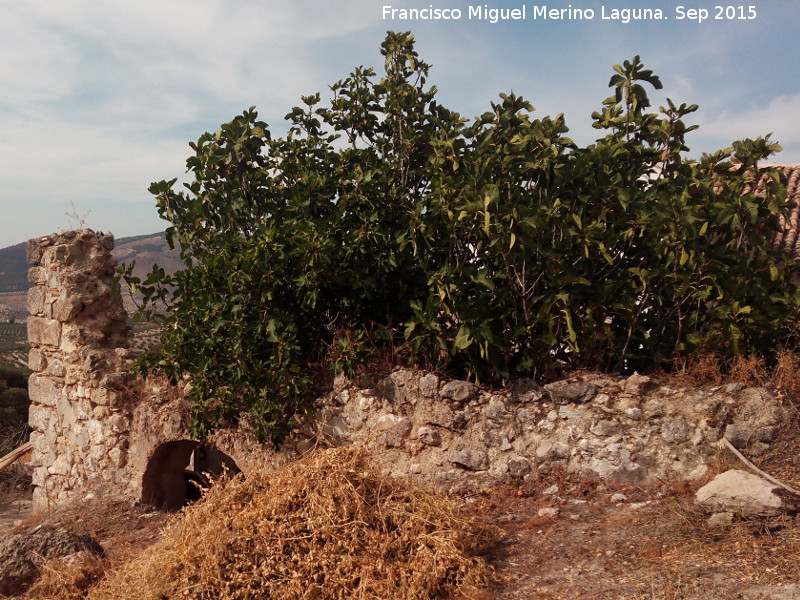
point(178, 471)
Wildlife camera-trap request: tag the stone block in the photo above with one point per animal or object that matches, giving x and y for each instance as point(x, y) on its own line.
point(44, 332)
point(720, 520)
point(37, 360)
point(36, 300)
point(37, 275)
point(56, 368)
point(739, 435)
point(633, 413)
point(565, 392)
point(547, 450)
point(118, 457)
point(39, 417)
point(626, 472)
point(83, 409)
point(67, 309)
point(767, 434)
point(604, 428)
point(636, 384)
point(38, 477)
point(519, 466)
point(569, 412)
point(71, 338)
point(119, 423)
point(525, 391)
point(55, 255)
point(38, 443)
point(394, 430)
point(472, 460)
point(61, 466)
point(66, 413)
point(497, 412)
point(96, 431)
point(335, 429)
point(675, 431)
point(429, 436)
point(34, 249)
point(44, 390)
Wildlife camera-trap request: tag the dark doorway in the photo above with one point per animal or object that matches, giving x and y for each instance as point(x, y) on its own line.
point(179, 470)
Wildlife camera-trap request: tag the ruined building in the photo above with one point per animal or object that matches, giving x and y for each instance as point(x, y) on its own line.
point(99, 429)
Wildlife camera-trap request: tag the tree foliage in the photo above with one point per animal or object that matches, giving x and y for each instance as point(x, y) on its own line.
point(489, 248)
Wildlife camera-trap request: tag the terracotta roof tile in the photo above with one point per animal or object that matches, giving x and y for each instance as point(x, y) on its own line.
point(789, 237)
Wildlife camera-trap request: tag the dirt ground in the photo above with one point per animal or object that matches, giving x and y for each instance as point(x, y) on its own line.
point(649, 546)
point(567, 538)
point(652, 544)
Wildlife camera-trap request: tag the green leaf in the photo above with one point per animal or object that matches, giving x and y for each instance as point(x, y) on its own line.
point(463, 339)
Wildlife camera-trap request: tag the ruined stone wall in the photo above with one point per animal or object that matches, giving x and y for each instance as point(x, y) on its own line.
point(78, 333)
point(98, 428)
point(624, 430)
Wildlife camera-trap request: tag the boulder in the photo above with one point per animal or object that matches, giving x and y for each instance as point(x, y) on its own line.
point(741, 493)
point(22, 553)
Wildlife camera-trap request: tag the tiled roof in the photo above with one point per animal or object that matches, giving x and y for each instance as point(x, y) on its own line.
point(789, 238)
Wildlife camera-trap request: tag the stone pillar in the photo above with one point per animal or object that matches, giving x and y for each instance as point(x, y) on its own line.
point(80, 386)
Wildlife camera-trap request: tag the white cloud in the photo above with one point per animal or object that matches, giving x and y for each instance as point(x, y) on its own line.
point(781, 117)
point(37, 63)
point(99, 98)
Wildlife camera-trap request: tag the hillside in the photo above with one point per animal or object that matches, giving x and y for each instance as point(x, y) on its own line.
point(146, 251)
point(13, 269)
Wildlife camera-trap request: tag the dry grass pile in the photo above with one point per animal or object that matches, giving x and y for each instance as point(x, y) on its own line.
point(67, 578)
point(328, 526)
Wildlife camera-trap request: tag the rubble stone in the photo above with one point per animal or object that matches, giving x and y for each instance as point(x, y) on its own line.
point(741, 493)
point(566, 392)
point(458, 391)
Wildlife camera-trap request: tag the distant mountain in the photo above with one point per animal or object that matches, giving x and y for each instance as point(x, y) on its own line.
point(14, 269)
point(146, 250)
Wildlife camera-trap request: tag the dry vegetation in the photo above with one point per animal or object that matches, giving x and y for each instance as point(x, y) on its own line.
point(328, 526)
point(711, 369)
point(287, 537)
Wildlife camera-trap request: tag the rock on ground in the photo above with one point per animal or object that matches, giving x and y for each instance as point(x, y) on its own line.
point(20, 553)
point(742, 493)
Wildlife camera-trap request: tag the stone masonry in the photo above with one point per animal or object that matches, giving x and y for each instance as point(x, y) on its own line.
point(96, 427)
point(78, 333)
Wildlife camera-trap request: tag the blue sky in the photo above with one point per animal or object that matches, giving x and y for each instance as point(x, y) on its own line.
point(100, 98)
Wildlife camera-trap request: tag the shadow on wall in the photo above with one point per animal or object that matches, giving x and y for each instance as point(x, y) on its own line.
point(178, 471)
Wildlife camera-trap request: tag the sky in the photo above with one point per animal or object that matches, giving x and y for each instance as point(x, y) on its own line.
point(99, 98)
